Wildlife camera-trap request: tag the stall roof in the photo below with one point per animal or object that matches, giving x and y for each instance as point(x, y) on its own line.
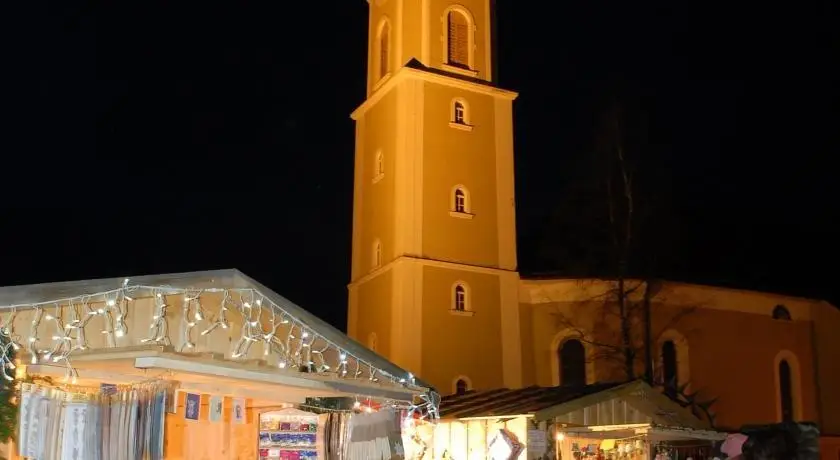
point(545, 403)
point(27, 295)
point(504, 402)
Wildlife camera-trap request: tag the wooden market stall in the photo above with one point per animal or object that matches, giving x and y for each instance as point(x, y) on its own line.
point(560, 422)
point(192, 364)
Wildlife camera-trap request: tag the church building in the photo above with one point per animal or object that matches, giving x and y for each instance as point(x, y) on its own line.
point(434, 243)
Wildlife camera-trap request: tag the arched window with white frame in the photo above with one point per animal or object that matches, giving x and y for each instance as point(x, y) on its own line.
point(376, 255)
point(460, 205)
point(461, 385)
point(459, 295)
point(670, 375)
point(572, 356)
point(780, 312)
point(565, 345)
point(459, 112)
point(382, 63)
point(378, 166)
point(459, 38)
point(673, 367)
point(788, 377)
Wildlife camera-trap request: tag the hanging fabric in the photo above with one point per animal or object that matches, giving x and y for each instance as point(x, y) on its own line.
point(376, 435)
point(64, 425)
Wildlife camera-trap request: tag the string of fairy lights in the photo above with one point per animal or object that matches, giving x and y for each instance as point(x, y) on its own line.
point(283, 337)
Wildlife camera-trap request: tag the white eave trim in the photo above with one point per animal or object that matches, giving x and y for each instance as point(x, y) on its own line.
point(238, 371)
point(431, 77)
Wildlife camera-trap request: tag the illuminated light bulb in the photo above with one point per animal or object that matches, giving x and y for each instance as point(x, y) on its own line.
point(254, 323)
point(159, 295)
point(125, 282)
point(55, 337)
point(10, 365)
point(32, 340)
point(119, 317)
point(15, 346)
point(120, 333)
point(368, 409)
point(111, 302)
point(34, 359)
point(281, 364)
point(74, 380)
point(100, 311)
point(190, 324)
point(560, 436)
point(304, 335)
point(259, 302)
point(246, 305)
point(49, 317)
point(156, 317)
point(357, 405)
point(198, 316)
point(224, 325)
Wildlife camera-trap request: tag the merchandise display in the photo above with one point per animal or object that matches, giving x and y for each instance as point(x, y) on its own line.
point(288, 434)
point(125, 424)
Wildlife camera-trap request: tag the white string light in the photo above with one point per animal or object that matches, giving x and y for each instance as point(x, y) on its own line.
point(289, 340)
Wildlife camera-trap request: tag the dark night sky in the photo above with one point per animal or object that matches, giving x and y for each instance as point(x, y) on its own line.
point(153, 137)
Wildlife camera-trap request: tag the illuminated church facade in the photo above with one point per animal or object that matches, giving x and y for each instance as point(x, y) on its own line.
point(434, 243)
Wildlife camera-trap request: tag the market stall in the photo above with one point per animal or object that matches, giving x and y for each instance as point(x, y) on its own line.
point(598, 421)
point(188, 366)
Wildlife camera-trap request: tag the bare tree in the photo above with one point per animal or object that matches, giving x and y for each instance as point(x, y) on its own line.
point(625, 244)
point(619, 255)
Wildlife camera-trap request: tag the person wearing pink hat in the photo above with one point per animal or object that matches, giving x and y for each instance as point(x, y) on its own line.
point(733, 446)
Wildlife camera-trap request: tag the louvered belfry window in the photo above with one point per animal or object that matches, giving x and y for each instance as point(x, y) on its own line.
point(384, 39)
point(459, 46)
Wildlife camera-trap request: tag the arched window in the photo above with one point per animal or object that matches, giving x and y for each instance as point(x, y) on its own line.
point(572, 358)
point(378, 167)
point(461, 387)
point(460, 298)
point(377, 254)
point(781, 313)
point(458, 39)
point(459, 113)
point(786, 391)
point(383, 44)
point(669, 365)
point(460, 200)
point(459, 204)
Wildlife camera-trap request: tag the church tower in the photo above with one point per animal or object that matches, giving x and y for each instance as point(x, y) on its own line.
point(434, 283)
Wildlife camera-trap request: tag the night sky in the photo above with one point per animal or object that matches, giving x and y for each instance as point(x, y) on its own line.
point(153, 137)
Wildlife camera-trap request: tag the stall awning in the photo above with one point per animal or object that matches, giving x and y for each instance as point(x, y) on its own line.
point(607, 404)
point(258, 335)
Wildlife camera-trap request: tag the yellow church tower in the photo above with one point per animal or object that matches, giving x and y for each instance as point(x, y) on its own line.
point(434, 283)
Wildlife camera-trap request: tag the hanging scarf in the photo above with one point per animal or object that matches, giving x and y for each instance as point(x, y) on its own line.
point(375, 437)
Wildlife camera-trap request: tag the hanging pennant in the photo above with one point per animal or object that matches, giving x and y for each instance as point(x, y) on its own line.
point(192, 406)
point(238, 411)
point(216, 405)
